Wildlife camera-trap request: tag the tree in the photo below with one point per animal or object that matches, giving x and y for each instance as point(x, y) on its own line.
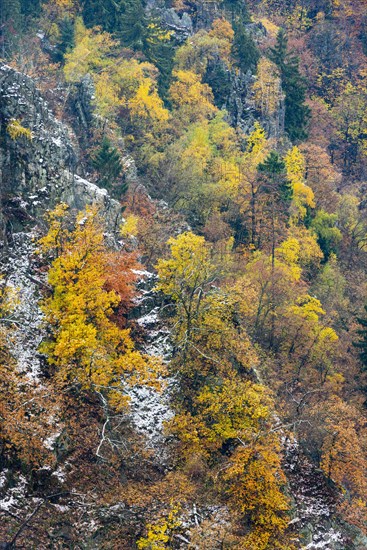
point(296, 112)
point(277, 191)
point(208, 54)
point(161, 533)
point(239, 11)
point(349, 112)
point(133, 25)
point(186, 277)
point(244, 49)
point(27, 411)
point(231, 425)
point(30, 7)
point(361, 344)
point(10, 24)
point(106, 13)
point(87, 347)
point(192, 99)
point(303, 197)
point(92, 52)
point(328, 235)
point(343, 454)
point(269, 96)
point(66, 40)
point(107, 162)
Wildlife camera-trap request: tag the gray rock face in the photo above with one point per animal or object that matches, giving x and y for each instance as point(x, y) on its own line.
point(238, 105)
point(207, 12)
point(37, 173)
point(182, 27)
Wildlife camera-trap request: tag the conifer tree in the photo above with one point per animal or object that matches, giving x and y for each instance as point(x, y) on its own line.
point(218, 79)
point(244, 49)
point(105, 13)
point(238, 10)
point(107, 162)
point(278, 193)
point(296, 112)
point(66, 41)
point(10, 24)
point(133, 26)
point(30, 8)
point(361, 345)
point(139, 32)
point(275, 170)
point(161, 54)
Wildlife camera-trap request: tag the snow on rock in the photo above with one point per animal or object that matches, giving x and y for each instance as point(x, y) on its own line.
point(49, 442)
point(314, 502)
point(84, 192)
point(28, 317)
point(10, 501)
point(328, 540)
point(150, 408)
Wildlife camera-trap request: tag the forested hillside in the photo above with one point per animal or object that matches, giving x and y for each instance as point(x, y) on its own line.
point(183, 274)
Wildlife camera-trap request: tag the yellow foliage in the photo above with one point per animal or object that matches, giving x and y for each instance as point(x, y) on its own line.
point(16, 130)
point(239, 411)
point(233, 410)
point(158, 34)
point(298, 19)
point(256, 141)
point(191, 97)
point(159, 534)
point(256, 151)
point(147, 103)
point(90, 54)
point(118, 82)
point(310, 254)
point(267, 88)
point(130, 226)
point(203, 47)
point(308, 308)
point(289, 253)
point(303, 196)
point(183, 275)
point(108, 98)
point(87, 347)
point(271, 28)
point(253, 484)
point(222, 30)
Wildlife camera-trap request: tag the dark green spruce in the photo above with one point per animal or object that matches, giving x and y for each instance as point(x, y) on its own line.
point(297, 113)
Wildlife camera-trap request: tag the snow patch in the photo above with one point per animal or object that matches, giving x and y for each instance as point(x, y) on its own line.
point(28, 317)
point(10, 501)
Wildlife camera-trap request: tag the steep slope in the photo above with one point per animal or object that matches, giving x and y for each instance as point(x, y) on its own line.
point(39, 171)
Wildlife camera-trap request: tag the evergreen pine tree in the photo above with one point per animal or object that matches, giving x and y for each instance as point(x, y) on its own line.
point(105, 13)
point(361, 345)
point(10, 25)
point(67, 38)
point(139, 32)
point(31, 8)
point(161, 54)
point(218, 79)
point(244, 49)
point(133, 27)
point(275, 170)
point(296, 112)
point(107, 163)
point(238, 10)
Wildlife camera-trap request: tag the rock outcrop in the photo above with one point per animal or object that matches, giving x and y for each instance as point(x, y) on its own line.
point(39, 171)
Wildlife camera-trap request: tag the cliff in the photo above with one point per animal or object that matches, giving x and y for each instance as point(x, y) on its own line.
point(38, 172)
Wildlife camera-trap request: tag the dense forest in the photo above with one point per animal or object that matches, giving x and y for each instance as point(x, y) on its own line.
point(183, 288)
